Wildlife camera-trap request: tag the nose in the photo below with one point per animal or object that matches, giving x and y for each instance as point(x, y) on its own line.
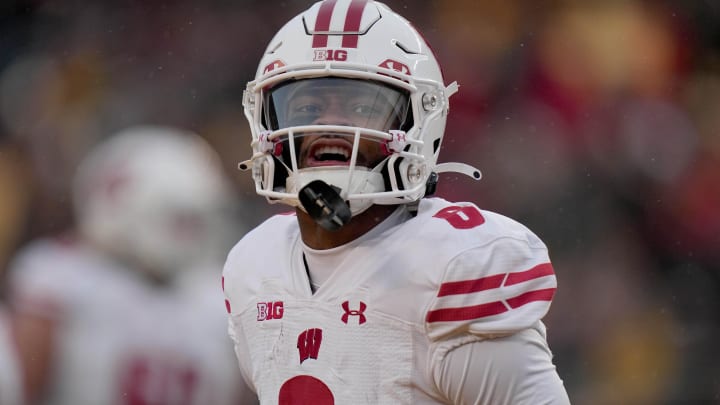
point(333, 113)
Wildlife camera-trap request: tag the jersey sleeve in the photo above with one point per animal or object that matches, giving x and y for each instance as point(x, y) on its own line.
point(513, 370)
point(41, 279)
point(496, 288)
point(232, 287)
point(47, 276)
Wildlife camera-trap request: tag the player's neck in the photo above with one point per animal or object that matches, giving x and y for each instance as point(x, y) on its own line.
point(317, 237)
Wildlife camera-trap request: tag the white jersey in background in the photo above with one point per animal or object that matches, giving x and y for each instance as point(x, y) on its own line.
point(121, 340)
point(421, 292)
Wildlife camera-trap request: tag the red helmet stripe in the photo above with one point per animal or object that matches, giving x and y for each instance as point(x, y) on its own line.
point(352, 23)
point(322, 23)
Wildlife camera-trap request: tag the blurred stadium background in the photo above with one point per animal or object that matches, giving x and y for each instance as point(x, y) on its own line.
point(595, 122)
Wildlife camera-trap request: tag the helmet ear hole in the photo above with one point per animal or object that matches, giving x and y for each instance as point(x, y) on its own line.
point(392, 168)
point(409, 121)
point(386, 177)
point(280, 173)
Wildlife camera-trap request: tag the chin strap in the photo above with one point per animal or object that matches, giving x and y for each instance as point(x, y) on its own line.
point(458, 168)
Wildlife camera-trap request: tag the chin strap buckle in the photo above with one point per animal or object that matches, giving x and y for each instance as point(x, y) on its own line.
point(266, 145)
point(396, 144)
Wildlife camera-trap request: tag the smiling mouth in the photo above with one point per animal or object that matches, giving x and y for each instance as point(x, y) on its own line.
point(326, 152)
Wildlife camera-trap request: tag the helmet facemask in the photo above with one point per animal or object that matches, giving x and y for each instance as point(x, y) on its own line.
point(334, 130)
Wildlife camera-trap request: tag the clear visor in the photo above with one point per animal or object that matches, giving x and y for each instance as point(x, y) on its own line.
point(336, 101)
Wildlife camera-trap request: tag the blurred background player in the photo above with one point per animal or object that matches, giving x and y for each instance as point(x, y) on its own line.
point(127, 310)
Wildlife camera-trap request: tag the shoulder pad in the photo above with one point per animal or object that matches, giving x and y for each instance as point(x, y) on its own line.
point(493, 289)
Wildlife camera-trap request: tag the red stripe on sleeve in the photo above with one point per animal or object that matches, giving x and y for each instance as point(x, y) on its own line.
point(531, 296)
point(471, 286)
point(322, 23)
point(352, 23)
point(541, 270)
point(465, 313)
point(494, 281)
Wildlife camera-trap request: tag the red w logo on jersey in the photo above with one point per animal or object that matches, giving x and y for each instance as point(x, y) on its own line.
point(308, 344)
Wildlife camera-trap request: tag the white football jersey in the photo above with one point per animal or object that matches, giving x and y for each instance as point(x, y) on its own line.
point(377, 328)
point(10, 377)
point(121, 340)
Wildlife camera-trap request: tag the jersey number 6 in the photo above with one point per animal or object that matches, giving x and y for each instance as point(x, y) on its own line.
point(461, 216)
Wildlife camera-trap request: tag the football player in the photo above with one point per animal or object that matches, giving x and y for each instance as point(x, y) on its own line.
point(127, 310)
point(371, 291)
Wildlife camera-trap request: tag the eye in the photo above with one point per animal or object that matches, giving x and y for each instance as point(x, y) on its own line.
point(303, 110)
point(365, 110)
point(307, 109)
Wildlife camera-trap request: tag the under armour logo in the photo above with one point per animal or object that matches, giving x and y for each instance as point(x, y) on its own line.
point(355, 312)
point(267, 145)
point(396, 144)
point(308, 344)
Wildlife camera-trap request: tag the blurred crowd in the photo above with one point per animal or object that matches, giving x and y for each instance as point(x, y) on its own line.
point(595, 122)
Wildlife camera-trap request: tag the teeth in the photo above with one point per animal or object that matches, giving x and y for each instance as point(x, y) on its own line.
point(334, 150)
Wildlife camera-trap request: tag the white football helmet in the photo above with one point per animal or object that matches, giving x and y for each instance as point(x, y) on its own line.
point(350, 48)
point(155, 197)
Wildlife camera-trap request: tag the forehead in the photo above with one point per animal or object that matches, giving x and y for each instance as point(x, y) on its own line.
point(322, 87)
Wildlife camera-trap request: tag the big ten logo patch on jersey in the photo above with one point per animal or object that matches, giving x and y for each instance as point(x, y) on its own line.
point(339, 55)
point(308, 344)
point(270, 310)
